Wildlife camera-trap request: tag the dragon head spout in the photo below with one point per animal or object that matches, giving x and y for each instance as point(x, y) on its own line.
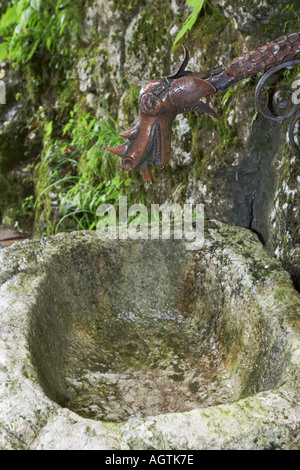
point(161, 100)
point(159, 103)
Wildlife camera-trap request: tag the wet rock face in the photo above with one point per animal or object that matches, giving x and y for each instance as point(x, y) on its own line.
point(18, 147)
point(239, 167)
point(249, 16)
point(121, 332)
point(234, 166)
point(130, 49)
point(241, 192)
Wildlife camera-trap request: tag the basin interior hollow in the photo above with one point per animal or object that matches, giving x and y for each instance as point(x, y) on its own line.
point(134, 329)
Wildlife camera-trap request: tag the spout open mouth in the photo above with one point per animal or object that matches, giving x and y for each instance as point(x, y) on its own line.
point(145, 145)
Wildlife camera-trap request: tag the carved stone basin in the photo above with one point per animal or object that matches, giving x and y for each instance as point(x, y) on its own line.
point(138, 344)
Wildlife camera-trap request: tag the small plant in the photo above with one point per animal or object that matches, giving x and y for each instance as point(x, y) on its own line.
point(82, 174)
point(31, 26)
point(190, 21)
point(290, 8)
point(227, 95)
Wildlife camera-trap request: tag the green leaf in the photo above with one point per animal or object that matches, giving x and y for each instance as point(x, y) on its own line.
point(190, 21)
point(26, 15)
point(254, 118)
point(194, 3)
point(4, 47)
point(33, 49)
point(62, 28)
point(9, 18)
point(36, 4)
point(62, 20)
point(227, 96)
point(48, 43)
point(49, 128)
point(19, 28)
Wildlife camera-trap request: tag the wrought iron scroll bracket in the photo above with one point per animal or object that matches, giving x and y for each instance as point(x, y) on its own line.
point(280, 102)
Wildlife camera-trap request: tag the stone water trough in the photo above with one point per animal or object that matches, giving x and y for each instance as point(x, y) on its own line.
point(145, 345)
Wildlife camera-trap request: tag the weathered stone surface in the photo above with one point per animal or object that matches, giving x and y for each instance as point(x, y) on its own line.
point(237, 161)
point(285, 215)
point(100, 350)
point(133, 49)
point(238, 167)
point(242, 170)
point(250, 16)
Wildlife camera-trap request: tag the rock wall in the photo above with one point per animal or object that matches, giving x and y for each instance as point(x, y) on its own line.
point(241, 166)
